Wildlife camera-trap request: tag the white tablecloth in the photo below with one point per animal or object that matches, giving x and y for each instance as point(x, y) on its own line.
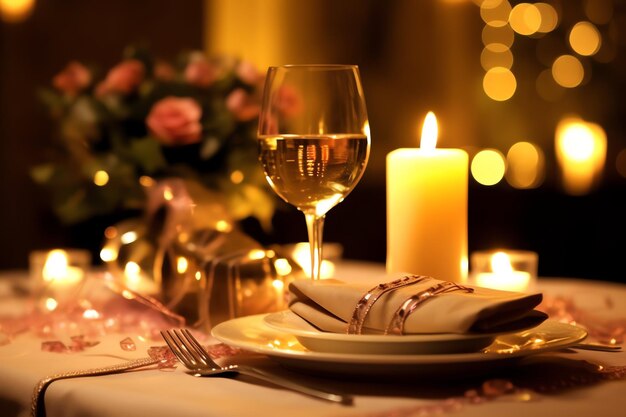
point(158, 393)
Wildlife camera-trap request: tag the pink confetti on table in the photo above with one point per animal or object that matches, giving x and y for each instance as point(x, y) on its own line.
point(54, 346)
point(128, 344)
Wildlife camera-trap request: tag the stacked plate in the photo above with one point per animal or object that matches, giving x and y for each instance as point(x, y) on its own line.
point(293, 342)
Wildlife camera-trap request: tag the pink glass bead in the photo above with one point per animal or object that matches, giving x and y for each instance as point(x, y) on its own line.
point(53, 346)
point(497, 387)
point(128, 344)
point(221, 350)
point(79, 343)
point(164, 355)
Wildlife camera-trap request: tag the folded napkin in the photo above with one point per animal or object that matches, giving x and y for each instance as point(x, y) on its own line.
point(330, 304)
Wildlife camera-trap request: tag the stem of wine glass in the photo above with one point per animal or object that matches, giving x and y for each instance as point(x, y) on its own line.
point(315, 227)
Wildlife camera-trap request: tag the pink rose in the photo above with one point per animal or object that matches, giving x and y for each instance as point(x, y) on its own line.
point(200, 72)
point(123, 78)
point(248, 73)
point(242, 105)
point(74, 78)
point(175, 121)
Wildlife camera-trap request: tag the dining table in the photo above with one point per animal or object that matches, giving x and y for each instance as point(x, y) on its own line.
point(571, 381)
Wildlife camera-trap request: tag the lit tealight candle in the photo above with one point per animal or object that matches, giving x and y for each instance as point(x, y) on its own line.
point(58, 275)
point(427, 209)
point(58, 272)
point(500, 273)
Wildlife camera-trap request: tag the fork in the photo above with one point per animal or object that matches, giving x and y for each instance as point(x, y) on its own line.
point(191, 354)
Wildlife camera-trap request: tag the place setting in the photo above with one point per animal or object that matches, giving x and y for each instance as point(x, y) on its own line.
point(505, 326)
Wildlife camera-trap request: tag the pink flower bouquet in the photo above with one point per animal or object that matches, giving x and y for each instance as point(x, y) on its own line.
point(145, 120)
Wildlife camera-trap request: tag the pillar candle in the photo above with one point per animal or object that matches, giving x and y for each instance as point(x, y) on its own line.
point(427, 209)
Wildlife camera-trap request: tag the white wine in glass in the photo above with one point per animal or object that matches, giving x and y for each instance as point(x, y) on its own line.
point(314, 140)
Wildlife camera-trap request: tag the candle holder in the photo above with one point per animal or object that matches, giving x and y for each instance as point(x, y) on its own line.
point(502, 269)
point(58, 274)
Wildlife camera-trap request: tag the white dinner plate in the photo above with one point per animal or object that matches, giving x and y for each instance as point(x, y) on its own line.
point(251, 333)
point(288, 322)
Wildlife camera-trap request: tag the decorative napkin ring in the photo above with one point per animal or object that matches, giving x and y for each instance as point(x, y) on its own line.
point(396, 325)
point(367, 301)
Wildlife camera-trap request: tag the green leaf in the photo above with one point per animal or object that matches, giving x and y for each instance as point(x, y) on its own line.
point(147, 153)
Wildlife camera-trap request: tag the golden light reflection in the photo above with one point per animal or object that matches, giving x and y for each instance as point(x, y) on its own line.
point(278, 284)
point(525, 165)
point(128, 237)
point(101, 178)
point(496, 55)
point(499, 84)
point(580, 152)
point(525, 19)
point(108, 254)
point(223, 226)
point(495, 12)
point(256, 254)
point(568, 71)
point(51, 304)
point(282, 266)
point(236, 177)
point(182, 264)
point(168, 194)
point(91, 314)
point(584, 38)
point(302, 256)
point(132, 271)
point(146, 181)
point(488, 167)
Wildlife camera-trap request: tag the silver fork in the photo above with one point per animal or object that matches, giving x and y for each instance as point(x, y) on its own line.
point(191, 354)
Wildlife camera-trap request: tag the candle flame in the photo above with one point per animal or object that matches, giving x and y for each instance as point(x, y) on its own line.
point(501, 264)
point(56, 265)
point(429, 132)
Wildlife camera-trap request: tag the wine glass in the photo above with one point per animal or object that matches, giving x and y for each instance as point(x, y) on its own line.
point(314, 140)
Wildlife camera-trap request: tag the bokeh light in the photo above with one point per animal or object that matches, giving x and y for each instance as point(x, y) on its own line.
point(525, 166)
point(525, 19)
point(499, 84)
point(584, 38)
point(568, 71)
point(488, 167)
point(549, 17)
point(496, 55)
point(501, 34)
point(495, 12)
point(547, 88)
